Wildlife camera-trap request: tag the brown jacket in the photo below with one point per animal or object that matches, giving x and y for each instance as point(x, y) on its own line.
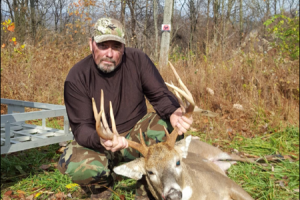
point(126, 87)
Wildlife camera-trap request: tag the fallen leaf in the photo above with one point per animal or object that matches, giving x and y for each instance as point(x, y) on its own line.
point(8, 193)
point(60, 150)
point(238, 106)
point(60, 195)
point(21, 196)
point(6, 198)
point(19, 168)
point(37, 194)
point(21, 192)
point(244, 129)
point(44, 167)
point(3, 46)
point(122, 197)
point(72, 185)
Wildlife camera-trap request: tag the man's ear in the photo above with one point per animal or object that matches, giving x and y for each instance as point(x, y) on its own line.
point(91, 45)
point(182, 146)
point(134, 169)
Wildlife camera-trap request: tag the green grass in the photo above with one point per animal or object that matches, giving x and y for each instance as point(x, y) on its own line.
point(21, 171)
point(272, 180)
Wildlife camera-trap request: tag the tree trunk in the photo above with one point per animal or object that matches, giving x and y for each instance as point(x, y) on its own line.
point(165, 39)
point(131, 5)
point(193, 23)
point(123, 6)
point(241, 21)
point(33, 23)
point(10, 11)
point(207, 29)
point(19, 8)
point(145, 27)
point(60, 16)
point(216, 7)
point(155, 28)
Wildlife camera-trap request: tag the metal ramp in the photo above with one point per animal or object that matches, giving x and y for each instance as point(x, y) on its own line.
point(16, 135)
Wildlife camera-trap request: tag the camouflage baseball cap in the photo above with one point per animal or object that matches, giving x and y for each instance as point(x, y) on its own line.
point(108, 29)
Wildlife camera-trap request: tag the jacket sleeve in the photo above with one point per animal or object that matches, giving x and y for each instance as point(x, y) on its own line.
point(80, 114)
point(163, 101)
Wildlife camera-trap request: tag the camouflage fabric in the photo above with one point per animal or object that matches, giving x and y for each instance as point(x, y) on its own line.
point(108, 29)
point(93, 168)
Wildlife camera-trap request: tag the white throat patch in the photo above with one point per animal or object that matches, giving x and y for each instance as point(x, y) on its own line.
point(187, 193)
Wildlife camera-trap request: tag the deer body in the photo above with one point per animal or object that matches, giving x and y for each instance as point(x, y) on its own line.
point(195, 177)
point(176, 170)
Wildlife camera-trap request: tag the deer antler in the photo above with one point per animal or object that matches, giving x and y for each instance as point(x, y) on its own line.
point(105, 133)
point(171, 139)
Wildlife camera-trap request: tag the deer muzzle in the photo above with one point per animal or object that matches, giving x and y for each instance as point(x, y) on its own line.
point(174, 194)
point(171, 188)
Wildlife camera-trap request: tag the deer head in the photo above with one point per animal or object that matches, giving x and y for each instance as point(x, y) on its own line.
point(161, 163)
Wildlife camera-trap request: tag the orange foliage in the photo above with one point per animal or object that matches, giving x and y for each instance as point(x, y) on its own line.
point(11, 28)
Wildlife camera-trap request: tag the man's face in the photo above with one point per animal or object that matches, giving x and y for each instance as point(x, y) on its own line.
point(107, 55)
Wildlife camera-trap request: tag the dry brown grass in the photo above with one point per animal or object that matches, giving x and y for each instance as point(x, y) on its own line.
point(267, 87)
point(38, 74)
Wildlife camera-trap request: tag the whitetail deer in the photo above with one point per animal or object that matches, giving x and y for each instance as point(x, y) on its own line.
point(176, 170)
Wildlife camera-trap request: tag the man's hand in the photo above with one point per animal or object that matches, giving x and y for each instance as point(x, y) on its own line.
point(181, 122)
point(116, 144)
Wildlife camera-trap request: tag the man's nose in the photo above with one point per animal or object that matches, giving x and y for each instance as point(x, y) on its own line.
point(109, 52)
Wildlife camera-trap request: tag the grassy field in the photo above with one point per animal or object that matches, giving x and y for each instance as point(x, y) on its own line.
point(33, 174)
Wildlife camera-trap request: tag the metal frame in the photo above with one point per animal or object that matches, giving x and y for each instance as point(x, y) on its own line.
point(16, 135)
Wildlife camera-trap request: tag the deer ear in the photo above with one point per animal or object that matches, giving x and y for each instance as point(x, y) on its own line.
point(134, 169)
point(182, 146)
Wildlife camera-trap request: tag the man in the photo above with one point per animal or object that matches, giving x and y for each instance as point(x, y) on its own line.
point(126, 76)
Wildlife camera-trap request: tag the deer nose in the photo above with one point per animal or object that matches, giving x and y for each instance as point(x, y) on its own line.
point(174, 194)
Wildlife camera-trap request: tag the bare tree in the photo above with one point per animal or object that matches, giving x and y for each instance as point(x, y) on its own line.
point(193, 23)
point(241, 20)
point(131, 5)
point(155, 12)
point(123, 7)
point(165, 39)
point(19, 9)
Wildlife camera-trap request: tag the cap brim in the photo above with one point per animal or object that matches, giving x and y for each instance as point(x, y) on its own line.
point(103, 38)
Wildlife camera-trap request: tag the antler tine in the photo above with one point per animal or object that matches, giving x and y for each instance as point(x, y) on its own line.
point(179, 80)
point(167, 133)
point(189, 110)
point(141, 147)
point(112, 119)
point(103, 117)
point(179, 99)
point(99, 125)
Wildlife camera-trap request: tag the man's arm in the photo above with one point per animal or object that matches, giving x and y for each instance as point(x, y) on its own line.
point(80, 114)
point(164, 102)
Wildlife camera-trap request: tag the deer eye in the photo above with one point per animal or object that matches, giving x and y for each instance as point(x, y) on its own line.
point(178, 163)
point(150, 173)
